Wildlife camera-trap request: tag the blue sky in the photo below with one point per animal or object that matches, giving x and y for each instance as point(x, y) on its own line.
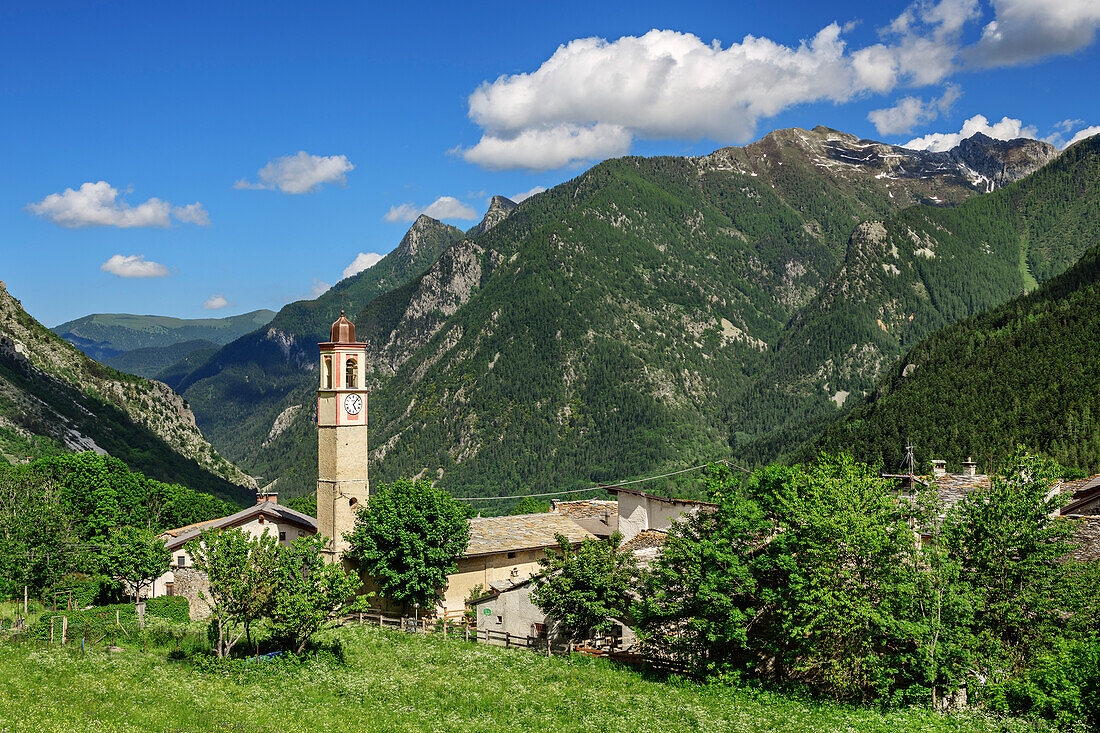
point(160, 157)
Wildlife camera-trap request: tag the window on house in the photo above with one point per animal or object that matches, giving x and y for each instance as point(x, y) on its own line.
point(351, 374)
point(282, 537)
point(261, 519)
point(181, 560)
point(538, 631)
point(326, 373)
point(511, 555)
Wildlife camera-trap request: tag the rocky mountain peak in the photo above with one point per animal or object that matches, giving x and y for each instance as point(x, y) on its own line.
point(1002, 161)
point(423, 226)
point(499, 209)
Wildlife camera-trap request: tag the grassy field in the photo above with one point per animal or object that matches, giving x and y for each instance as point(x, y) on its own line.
point(389, 681)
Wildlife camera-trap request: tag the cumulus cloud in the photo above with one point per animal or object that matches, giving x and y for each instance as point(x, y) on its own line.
point(444, 207)
point(1007, 129)
point(520, 197)
point(301, 173)
point(1083, 134)
point(1062, 135)
point(544, 148)
point(912, 111)
point(134, 266)
point(99, 204)
point(362, 261)
point(318, 288)
point(214, 302)
point(1024, 31)
point(593, 97)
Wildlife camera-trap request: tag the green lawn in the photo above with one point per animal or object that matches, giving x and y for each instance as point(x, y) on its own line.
point(390, 681)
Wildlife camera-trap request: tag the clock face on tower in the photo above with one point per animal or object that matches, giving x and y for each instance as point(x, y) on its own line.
point(353, 403)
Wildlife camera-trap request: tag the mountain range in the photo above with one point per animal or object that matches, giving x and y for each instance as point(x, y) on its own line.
point(649, 314)
point(641, 316)
point(145, 345)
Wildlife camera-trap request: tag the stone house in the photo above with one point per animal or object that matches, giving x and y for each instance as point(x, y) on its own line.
point(266, 516)
point(505, 550)
point(638, 511)
point(507, 616)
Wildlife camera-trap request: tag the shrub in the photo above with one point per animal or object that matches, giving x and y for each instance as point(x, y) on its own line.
point(87, 590)
point(173, 608)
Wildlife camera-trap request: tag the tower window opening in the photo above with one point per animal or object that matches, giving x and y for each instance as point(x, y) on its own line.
point(326, 373)
point(351, 374)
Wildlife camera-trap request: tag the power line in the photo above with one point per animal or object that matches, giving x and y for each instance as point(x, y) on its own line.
point(599, 487)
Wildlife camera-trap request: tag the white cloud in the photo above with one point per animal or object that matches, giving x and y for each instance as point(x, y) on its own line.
point(520, 197)
point(1006, 129)
point(1027, 30)
point(301, 173)
point(214, 302)
point(1083, 134)
point(318, 288)
point(362, 261)
point(540, 149)
point(134, 266)
point(444, 207)
point(912, 111)
point(592, 97)
point(99, 204)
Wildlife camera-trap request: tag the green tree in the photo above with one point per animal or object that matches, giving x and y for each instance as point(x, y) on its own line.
point(702, 598)
point(36, 532)
point(242, 571)
point(1010, 548)
point(408, 540)
point(310, 593)
point(584, 589)
point(135, 557)
point(529, 505)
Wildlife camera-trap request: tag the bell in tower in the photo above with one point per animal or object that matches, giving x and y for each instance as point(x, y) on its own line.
point(342, 485)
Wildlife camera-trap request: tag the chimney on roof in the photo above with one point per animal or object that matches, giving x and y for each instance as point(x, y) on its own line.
point(939, 467)
point(970, 468)
point(262, 496)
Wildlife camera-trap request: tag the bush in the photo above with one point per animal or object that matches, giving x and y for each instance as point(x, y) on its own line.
point(92, 624)
point(173, 608)
point(87, 590)
point(1062, 685)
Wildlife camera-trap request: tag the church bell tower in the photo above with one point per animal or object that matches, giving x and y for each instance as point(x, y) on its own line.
point(342, 485)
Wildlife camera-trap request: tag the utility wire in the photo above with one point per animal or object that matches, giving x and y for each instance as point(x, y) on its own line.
point(600, 487)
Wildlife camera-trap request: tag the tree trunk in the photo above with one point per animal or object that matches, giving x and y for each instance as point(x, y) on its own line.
point(221, 635)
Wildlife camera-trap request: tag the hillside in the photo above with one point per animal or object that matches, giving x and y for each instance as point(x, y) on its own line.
point(908, 276)
point(1024, 373)
point(605, 328)
point(54, 398)
point(105, 335)
point(237, 391)
point(150, 361)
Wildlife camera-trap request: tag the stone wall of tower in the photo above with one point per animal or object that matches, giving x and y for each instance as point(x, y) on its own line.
point(343, 485)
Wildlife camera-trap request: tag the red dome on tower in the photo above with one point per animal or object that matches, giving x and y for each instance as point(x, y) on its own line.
point(343, 330)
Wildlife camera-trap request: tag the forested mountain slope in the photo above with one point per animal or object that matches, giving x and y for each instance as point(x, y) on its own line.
point(104, 335)
point(606, 327)
point(1026, 373)
point(236, 392)
point(54, 398)
point(908, 276)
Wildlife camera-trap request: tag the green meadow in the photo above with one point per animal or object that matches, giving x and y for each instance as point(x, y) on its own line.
point(374, 680)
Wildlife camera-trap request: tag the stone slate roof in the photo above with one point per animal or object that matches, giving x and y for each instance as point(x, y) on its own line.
point(644, 540)
point(1086, 539)
point(952, 487)
point(598, 516)
point(491, 535)
point(277, 512)
point(1081, 492)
